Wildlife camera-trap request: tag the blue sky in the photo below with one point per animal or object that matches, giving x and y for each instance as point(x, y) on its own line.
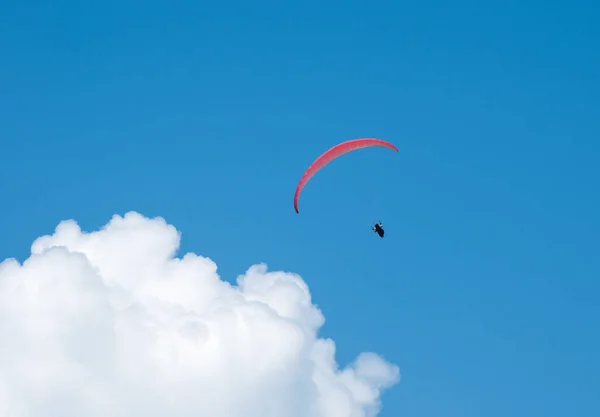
point(485, 289)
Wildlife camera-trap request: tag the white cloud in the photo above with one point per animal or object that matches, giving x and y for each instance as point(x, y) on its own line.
point(111, 324)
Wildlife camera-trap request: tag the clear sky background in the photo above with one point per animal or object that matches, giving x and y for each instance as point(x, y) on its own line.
point(485, 288)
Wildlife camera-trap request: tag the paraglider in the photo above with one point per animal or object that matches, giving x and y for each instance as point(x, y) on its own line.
point(378, 228)
point(334, 153)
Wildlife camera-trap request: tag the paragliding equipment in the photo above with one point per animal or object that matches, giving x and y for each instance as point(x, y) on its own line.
point(334, 153)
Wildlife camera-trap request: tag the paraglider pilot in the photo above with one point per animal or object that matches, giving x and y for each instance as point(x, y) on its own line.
point(378, 228)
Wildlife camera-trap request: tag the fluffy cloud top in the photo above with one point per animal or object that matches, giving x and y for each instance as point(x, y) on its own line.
point(111, 324)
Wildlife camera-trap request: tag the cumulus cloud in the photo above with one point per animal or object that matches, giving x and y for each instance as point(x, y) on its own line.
point(112, 324)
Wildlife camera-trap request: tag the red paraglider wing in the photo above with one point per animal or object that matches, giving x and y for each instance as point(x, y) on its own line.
point(333, 153)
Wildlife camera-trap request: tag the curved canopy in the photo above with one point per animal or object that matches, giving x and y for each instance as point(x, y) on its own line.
point(333, 153)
